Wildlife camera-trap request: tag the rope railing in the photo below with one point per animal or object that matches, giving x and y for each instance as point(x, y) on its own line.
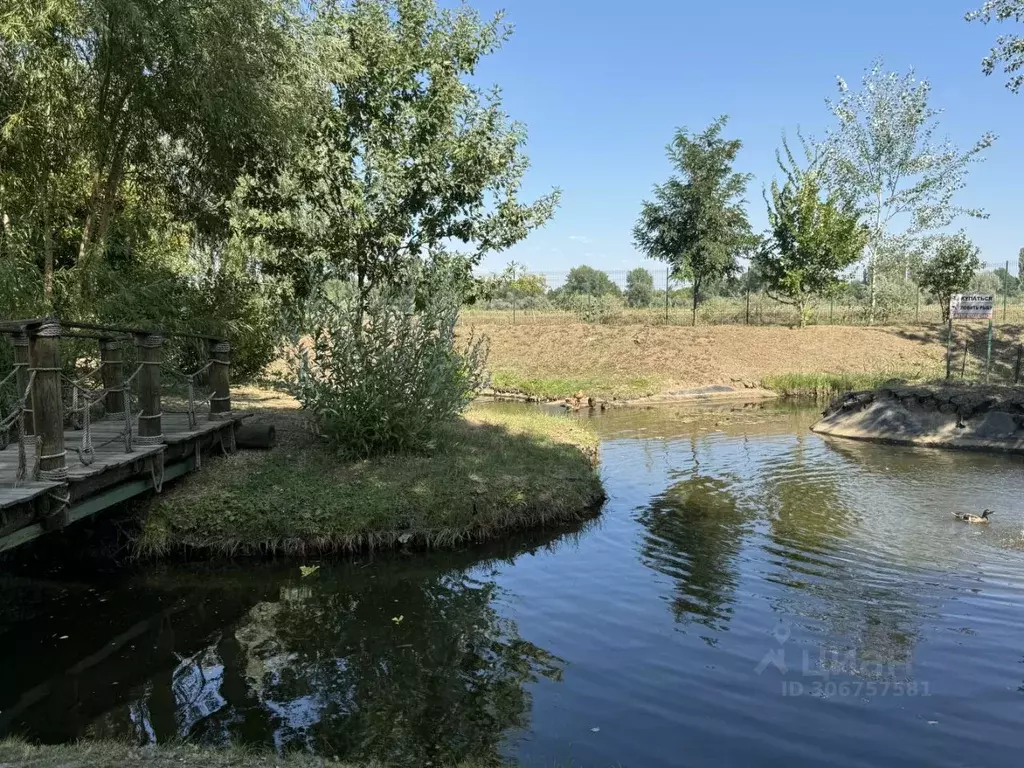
point(18, 417)
point(102, 390)
point(190, 379)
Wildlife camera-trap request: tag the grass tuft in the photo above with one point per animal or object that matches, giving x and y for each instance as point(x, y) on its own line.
point(495, 471)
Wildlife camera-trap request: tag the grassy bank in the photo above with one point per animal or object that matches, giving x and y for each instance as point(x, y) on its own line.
point(104, 754)
point(823, 386)
point(495, 471)
point(633, 361)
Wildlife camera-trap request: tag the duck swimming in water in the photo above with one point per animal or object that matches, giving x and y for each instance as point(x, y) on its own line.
point(967, 517)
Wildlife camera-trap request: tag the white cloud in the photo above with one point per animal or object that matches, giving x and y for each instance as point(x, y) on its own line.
point(579, 239)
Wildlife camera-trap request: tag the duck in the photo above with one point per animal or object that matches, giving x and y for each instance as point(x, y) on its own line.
point(967, 517)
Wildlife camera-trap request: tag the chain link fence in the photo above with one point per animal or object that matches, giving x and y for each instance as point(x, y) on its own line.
point(623, 297)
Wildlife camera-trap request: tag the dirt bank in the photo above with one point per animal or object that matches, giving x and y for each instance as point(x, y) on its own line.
point(640, 361)
point(977, 417)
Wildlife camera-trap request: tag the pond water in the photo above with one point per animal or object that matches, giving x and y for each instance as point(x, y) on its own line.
point(752, 593)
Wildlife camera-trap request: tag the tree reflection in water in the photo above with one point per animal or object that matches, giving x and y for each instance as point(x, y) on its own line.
point(405, 662)
point(693, 534)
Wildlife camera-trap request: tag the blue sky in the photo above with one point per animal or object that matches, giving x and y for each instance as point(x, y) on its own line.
point(602, 86)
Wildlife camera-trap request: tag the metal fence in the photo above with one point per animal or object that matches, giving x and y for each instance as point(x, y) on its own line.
point(609, 296)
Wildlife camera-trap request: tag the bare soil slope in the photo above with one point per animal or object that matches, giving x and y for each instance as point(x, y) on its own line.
point(631, 361)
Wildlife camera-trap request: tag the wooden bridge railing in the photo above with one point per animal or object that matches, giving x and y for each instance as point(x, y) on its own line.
point(38, 416)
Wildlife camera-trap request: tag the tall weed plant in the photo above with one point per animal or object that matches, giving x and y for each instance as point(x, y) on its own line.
point(386, 374)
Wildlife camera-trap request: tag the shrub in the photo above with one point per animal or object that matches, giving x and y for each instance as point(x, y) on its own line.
point(386, 376)
point(594, 309)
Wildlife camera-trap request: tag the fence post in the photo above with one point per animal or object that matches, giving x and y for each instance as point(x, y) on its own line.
point(949, 347)
point(150, 354)
point(748, 305)
point(668, 273)
point(988, 353)
point(22, 362)
point(1016, 367)
point(112, 360)
point(831, 308)
point(963, 364)
point(220, 379)
point(44, 354)
point(1006, 287)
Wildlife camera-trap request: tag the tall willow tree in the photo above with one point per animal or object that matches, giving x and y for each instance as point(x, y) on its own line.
point(405, 158)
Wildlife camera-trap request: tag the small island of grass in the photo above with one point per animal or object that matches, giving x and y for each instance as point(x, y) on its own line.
point(492, 471)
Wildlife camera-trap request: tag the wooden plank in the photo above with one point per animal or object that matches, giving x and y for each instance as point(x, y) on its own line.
point(99, 502)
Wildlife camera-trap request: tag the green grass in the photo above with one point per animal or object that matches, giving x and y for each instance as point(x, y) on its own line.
point(552, 388)
point(496, 471)
point(103, 754)
point(826, 385)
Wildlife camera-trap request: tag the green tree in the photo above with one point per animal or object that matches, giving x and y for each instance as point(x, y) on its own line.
point(407, 157)
point(951, 269)
point(1020, 264)
point(1009, 49)
point(516, 284)
point(986, 282)
point(812, 241)
point(125, 119)
point(697, 221)
point(584, 280)
point(1008, 283)
point(639, 288)
point(883, 156)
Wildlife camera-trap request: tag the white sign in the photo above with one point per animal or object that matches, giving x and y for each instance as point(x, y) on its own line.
point(971, 306)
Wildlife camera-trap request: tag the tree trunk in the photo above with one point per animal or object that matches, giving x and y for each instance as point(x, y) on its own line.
point(696, 290)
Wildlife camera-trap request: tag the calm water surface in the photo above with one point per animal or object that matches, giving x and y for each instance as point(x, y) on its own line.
point(752, 594)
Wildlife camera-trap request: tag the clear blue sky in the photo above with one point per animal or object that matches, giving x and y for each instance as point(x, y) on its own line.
point(602, 86)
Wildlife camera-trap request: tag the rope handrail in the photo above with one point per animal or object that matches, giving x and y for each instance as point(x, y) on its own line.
point(11, 375)
point(19, 416)
point(191, 379)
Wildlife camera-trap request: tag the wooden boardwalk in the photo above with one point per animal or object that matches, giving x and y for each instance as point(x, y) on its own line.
point(64, 482)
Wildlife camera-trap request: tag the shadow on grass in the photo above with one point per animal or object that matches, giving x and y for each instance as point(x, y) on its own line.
point(970, 347)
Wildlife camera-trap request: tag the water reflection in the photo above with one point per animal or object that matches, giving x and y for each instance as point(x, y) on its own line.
point(761, 540)
point(693, 534)
point(402, 661)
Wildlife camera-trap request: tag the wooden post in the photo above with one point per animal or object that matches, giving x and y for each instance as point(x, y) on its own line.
point(150, 354)
point(21, 360)
point(44, 354)
point(112, 358)
point(220, 379)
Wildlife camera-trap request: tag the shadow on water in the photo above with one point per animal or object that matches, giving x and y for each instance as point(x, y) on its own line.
point(404, 659)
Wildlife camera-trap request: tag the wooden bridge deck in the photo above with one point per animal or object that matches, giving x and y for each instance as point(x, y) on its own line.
point(108, 445)
point(113, 475)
